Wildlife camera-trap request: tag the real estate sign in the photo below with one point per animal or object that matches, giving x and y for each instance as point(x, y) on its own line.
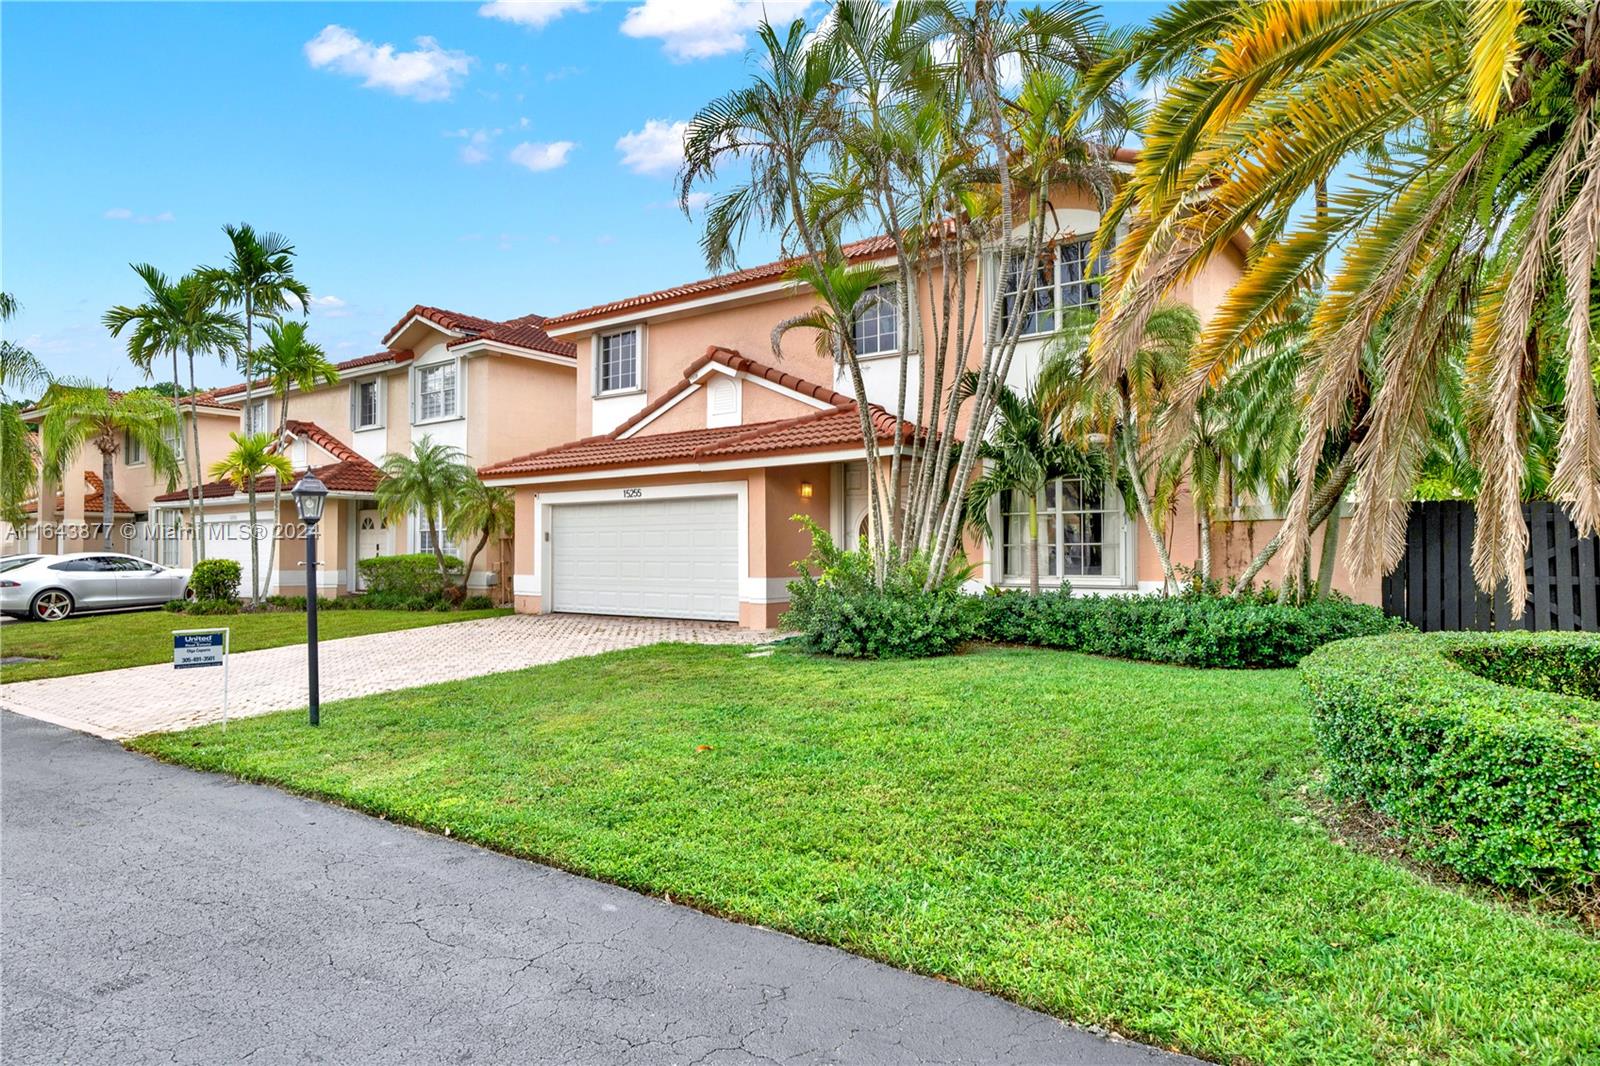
point(199, 647)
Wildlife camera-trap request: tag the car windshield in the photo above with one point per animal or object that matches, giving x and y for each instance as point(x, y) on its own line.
point(18, 560)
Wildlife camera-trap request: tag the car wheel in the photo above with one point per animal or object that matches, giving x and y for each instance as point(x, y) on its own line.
point(51, 605)
point(188, 593)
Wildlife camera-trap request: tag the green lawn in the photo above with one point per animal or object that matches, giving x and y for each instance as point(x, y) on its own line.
point(137, 638)
point(1113, 842)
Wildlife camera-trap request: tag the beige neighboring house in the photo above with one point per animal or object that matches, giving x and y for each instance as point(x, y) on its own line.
point(698, 445)
point(491, 389)
point(69, 521)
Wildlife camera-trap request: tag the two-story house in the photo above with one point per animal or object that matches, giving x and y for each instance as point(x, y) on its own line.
point(65, 516)
point(699, 446)
point(490, 389)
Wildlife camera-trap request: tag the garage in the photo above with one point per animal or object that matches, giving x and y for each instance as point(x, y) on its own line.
point(229, 538)
point(672, 558)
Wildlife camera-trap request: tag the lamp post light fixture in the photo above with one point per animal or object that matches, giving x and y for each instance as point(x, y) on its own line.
point(310, 494)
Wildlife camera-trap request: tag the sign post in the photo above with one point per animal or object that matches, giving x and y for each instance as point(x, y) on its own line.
point(194, 648)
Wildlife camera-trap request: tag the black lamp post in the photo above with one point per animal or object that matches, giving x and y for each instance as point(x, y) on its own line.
point(309, 496)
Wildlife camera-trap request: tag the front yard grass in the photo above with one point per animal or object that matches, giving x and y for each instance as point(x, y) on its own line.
point(138, 638)
point(1116, 843)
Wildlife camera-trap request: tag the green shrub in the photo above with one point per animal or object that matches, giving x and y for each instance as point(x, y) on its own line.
point(1253, 631)
point(210, 607)
point(477, 603)
point(401, 601)
point(215, 579)
point(175, 606)
point(415, 575)
point(1499, 782)
point(839, 611)
point(324, 603)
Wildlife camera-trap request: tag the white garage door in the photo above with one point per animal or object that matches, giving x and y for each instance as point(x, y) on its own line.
point(675, 558)
point(228, 538)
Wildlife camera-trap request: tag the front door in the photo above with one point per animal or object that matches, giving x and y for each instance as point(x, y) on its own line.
point(372, 540)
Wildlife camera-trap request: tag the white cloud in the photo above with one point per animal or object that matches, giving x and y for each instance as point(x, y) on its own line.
point(122, 214)
point(476, 150)
point(534, 13)
point(656, 149)
point(562, 73)
point(699, 29)
point(329, 307)
point(537, 156)
point(429, 73)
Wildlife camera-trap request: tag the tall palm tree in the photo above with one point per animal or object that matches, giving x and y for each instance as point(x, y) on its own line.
point(252, 458)
point(1023, 453)
point(177, 318)
point(289, 361)
point(19, 369)
point(259, 282)
point(78, 414)
point(1471, 137)
point(483, 511)
point(427, 483)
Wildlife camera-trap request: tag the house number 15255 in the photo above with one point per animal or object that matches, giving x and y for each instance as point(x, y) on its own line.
point(632, 494)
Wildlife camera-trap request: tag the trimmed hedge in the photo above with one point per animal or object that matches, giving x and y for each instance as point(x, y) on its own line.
point(215, 579)
point(1254, 632)
point(1500, 782)
point(409, 577)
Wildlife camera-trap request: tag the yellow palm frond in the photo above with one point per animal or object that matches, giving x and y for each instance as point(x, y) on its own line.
point(1495, 55)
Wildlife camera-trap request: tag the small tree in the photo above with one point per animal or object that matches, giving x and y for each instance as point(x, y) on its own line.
point(19, 369)
point(426, 482)
point(251, 459)
point(78, 414)
point(483, 511)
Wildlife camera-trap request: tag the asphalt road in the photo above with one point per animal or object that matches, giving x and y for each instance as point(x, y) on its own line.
point(152, 914)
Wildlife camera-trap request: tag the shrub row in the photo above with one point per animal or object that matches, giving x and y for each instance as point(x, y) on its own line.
point(365, 602)
point(1253, 632)
point(409, 576)
point(1500, 782)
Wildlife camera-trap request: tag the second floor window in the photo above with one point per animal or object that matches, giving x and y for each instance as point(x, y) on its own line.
point(174, 442)
point(255, 417)
point(436, 392)
point(364, 405)
point(877, 329)
point(132, 450)
point(1064, 278)
point(618, 368)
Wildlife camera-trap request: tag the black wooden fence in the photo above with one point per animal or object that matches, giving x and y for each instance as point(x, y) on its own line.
point(1433, 589)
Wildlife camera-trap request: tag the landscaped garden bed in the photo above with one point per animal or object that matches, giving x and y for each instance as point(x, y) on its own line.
point(1483, 749)
point(1118, 843)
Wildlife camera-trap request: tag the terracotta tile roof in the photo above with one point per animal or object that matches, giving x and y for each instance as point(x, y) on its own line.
point(93, 500)
point(870, 248)
point(350, 472)
point(398, 355)
point(836, 426)
point(525, 332)
point(445, 319)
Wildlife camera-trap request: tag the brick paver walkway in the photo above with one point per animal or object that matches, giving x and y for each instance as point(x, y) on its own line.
point(142, 699)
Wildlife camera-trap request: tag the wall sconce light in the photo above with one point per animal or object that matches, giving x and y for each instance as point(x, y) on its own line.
point(806, 490)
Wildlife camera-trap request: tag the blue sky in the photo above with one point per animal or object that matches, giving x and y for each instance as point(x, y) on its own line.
point(496, 159)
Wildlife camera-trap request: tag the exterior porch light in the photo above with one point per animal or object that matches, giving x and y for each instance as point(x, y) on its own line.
point(806, 491)
point(310, 494)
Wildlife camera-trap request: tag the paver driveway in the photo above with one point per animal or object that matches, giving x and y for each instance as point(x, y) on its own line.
point(143, 699)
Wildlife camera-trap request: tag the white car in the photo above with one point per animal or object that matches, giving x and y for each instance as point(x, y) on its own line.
point(52, 587)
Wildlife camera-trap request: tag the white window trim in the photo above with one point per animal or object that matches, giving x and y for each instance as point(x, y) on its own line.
point(899, 327)
point(416, 393)
point(1055, 245)
point(128, 443)
point(639, 356)
point(379, 385)
point(1126, 579)
point(266, 416)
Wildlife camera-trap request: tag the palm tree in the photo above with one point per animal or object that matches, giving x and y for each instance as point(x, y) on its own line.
point(481, 511)
point(253, 457)
point(19, 369)
point(259, 281)
point(1469, 135)
point(289, 361)
point(78, 414)
point(1023, 453)
point(426, 483)
point(176, 319)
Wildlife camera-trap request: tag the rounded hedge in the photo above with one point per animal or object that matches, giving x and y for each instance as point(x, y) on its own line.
point(1483, 748)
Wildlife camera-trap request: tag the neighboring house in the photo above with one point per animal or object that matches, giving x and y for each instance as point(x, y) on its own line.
point(699, 445)
point(71, 521)
point(491, 389)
